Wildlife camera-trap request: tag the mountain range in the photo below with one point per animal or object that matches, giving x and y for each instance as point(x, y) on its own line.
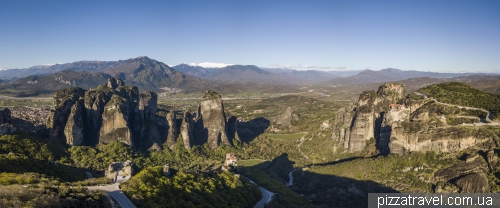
point(150, 74)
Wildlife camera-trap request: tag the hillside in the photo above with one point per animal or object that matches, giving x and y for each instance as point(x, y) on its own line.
point(458, 93)
point(389, 75)
point(89, 66)
point(237, 73)
point(149, 74)
point(35, 85)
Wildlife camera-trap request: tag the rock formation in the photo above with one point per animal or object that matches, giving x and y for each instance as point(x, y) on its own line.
point(74, 127)
point(105, 114)
point(285, 119)
point(172, 130)
point(211, 120)
point(149, 130)
point(63, 103)
point(187, 130)
point(6, 122)
point(5, 116)
point(342, 127)
point(115, 112)
point(115, 122)
point(120, 170)
point(469, 176)
point(232, 128)
point(419, 136)
point(368, 116)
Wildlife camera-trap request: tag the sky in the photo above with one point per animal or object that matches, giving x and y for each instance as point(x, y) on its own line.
point(423, 35)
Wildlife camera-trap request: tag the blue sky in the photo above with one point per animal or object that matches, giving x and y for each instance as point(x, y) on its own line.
point(434, 35)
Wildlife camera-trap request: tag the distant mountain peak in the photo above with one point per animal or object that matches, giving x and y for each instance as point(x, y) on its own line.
point(210, 65)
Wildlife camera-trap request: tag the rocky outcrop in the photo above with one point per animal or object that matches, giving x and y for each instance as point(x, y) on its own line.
point(232, 128)
point(469, 176)
point(63, 102)
point(285, 119)
point(187, 130)
point(342, 127)
point(75, 126)
point(211, 120)
point(95, 100)
point(421, 136)
point(473, 183)
point(166, 171)
point(172, 130)
point(363, 125)
point(115, 122)
point(6, 122)
point(114, 83)
point(149, 128)
point(5, 116)
point(120, 170)
point(106, 114)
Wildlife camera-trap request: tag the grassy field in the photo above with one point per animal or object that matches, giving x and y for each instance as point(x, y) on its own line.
point(251, 162)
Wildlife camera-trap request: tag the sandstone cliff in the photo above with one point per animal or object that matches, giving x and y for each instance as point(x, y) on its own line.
point(105, 114)
point(172, 130)
point(187, 130)
point(211, 120)
point(6, 122)
point(115, 122)
point(420, 136)
point(63, 102)
point(469, 176)
point(369, 113)
point(285, 119)
point(149, 128)
point(74, 127)
point(342, 128)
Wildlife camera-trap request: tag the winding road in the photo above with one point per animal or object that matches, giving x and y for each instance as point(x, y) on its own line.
point(267, 196)
point(114, 191)
point(489, 116)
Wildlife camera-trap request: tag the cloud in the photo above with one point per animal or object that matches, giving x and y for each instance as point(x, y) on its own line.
point(210, 65)
point(310, 67)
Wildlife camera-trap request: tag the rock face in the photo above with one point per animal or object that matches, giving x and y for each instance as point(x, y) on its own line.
point(410, 136)
point(120, 169)
point(232, 128)
point(115, 122)
point(187, 130)
point(5, 116)
point(211, 120)
point(6, 122)
point(368, 116)
point(149, 130)
point(74, 127)
point(172, 130)
point(469, 176)
point(287, 117)
point(63, 102)
point(342, 128)
point(107, 113)
point(115, 112)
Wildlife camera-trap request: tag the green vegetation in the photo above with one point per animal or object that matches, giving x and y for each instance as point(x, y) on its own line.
point(458, 121)
point(150, 188)
point(458, 93)
point(46, 196)
point(285, 137)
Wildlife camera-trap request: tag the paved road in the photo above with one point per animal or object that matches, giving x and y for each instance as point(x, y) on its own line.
point(114, 191)
point(267, 196)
